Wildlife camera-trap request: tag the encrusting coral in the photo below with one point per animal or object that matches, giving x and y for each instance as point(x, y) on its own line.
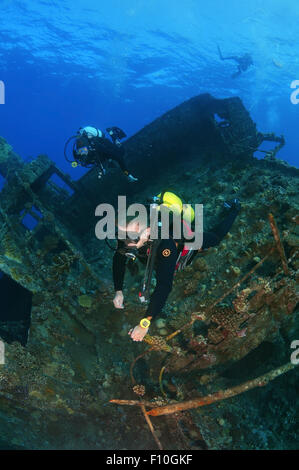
point(234, 305)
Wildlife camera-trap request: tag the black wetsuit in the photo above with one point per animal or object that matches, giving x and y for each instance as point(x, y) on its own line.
point(100, 150)
point(243, 62)
point(165, 264)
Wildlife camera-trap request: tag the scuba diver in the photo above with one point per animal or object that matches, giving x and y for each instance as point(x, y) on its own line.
point(92, 149)
point(243, 62)
point(165, 256)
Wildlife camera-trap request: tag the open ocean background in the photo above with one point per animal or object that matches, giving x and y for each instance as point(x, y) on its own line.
point(67, 64)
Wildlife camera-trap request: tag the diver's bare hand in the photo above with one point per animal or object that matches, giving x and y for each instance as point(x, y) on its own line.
point(144, 237)
point(138, 333)
point(118, 300)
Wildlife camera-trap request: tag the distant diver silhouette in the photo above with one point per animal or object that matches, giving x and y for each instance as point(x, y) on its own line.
point(243, 62)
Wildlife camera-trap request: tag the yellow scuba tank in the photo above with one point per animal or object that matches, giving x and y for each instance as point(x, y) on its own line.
point(174, 202)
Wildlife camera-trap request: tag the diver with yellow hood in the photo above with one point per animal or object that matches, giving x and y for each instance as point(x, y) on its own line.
point(164, 256)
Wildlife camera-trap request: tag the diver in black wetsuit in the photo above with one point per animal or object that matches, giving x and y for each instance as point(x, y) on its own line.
point(92, 149)
point(166, 263)
point(243, 62)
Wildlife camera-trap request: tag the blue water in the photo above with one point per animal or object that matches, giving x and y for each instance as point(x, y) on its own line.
point(67, 64)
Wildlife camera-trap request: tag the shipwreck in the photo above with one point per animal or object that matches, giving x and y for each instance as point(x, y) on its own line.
point(67, 353)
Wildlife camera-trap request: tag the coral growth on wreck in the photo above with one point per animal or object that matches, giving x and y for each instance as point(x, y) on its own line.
point(230, 318)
